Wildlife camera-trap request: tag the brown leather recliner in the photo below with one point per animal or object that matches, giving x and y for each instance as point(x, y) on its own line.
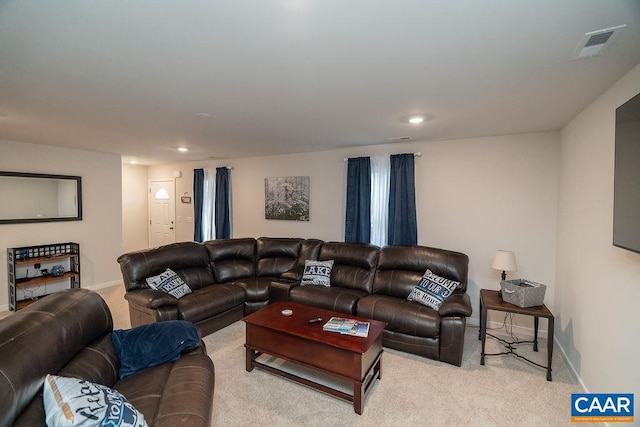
point(68, 333)
point(413, 327)
point(354, 267)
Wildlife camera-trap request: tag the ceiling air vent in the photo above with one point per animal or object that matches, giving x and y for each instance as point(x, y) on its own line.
point(400, 139)
point(594, 43)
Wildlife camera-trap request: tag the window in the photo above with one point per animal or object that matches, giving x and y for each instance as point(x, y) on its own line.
point(208, 204)
point(380, 207)
point(380, 167)
point(161, 194)
point(212, 204)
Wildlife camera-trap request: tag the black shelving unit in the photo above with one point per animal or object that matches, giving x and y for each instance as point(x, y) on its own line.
point(30, 271)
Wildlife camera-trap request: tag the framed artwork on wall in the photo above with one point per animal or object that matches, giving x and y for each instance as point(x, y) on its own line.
point(286, 198)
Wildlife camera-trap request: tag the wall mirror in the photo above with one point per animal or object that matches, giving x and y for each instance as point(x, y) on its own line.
point(32, 197)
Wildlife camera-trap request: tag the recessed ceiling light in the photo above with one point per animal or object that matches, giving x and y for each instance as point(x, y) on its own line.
point(183, 149)
point(416, 119)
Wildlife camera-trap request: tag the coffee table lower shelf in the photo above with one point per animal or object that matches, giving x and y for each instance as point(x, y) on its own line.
point(282, 330)
point(360, 388)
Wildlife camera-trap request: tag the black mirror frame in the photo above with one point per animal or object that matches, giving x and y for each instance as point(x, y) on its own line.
point(78, 181)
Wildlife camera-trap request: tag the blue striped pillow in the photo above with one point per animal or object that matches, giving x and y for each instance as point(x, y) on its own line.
point(170, 283)
point(432, 290)
point(317, 273)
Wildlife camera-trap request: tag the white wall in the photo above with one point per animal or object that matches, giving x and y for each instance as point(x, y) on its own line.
point(473, 195)
point(99, 233)
point(598, 285)
point(135, 228)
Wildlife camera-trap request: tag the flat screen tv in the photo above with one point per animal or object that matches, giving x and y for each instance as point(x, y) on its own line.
point(626, 197)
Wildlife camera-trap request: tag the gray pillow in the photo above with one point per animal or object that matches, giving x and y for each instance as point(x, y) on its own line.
point(317, 273)
point(432, 290)
point(170, 283)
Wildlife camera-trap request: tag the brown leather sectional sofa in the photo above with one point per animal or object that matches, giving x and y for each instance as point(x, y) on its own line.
point(234, 277)
point(68, 333)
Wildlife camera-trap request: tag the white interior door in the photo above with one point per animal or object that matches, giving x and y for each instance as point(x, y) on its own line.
point(162, 212)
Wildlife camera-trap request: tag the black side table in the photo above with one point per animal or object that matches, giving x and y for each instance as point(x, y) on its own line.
point(491, 300)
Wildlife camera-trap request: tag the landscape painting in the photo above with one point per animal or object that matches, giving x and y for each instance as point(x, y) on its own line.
point(286, 198)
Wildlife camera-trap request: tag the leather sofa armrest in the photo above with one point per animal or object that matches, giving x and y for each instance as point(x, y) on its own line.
point(150, 298)
point(293, 275)
point(279, 289)
point(456, 305)
point(187, 396)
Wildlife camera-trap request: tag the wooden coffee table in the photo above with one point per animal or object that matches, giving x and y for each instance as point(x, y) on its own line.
point(292, 338)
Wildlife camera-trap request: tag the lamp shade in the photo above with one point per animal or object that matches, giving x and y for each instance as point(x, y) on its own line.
point(505, 261)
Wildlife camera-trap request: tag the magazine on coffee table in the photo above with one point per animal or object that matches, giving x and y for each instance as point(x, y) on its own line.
point(360, 329)
point(347, 326)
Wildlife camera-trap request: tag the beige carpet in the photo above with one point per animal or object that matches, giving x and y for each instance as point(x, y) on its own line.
point(413, 391)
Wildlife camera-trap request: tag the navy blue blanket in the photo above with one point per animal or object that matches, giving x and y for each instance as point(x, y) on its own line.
point(151, 345)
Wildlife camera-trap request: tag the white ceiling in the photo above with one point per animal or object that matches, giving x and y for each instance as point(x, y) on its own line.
point(283, 76)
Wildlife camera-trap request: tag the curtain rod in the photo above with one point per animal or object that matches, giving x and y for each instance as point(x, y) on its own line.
point(417, 154)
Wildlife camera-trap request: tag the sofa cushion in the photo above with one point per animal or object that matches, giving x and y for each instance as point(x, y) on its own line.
point(256, 289)
point(401, 267)
point(97, 362)
point(309, 249)
point(401, 315)
point(276, 255)
point(173, 394)
point(77, 402)
point(210, 301)
point(169, 282)
point(336, 299)
point(354, 264)
point(189, 259)
point(422, 346)
point(51, 323)
point(150, 345)
point(432, 290)
point(232, 259)
point(317, 273)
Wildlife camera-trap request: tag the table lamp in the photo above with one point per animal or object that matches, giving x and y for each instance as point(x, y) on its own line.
point(505, 261)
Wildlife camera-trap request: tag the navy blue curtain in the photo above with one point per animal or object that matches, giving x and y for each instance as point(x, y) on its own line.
point(198, 194)
point(223, 204)
point(403, 226)
point(357, 228)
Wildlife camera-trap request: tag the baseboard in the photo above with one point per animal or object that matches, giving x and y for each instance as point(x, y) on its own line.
point(5, 307)
point(520, 331)
point(527, 332)
point(568, 362)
